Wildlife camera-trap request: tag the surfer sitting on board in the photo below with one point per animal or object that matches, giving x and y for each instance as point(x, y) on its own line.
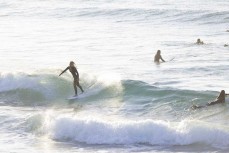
point(157, 57)
point(219, 100)
point(75, 75)
point(199, 42)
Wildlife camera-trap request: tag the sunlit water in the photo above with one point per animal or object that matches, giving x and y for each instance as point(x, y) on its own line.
point(130, 103)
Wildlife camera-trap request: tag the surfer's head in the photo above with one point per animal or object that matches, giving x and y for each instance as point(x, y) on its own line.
point(222, 96)
point(71, 63)
point(222, 93)
point(158, 52)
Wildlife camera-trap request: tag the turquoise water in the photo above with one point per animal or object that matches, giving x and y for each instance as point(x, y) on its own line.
point(130, 103)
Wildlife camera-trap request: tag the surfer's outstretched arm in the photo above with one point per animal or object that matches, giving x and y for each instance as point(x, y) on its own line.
point(162, 59)
point(63, 71)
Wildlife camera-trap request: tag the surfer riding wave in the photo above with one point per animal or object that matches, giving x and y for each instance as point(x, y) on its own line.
point(75, 75)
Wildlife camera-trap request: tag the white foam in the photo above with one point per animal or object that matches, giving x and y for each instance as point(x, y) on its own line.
point(9, 82)
point(94, 131)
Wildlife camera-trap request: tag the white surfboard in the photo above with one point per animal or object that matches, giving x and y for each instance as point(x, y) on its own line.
point(81, 95)
point(73, 97)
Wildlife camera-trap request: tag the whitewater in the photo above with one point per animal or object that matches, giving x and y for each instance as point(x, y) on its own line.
point(130, 103)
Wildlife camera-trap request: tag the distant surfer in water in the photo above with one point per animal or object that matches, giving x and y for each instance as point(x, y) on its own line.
point(219, 100)
point(75, 75)
point(199, 42)
point(158, 57)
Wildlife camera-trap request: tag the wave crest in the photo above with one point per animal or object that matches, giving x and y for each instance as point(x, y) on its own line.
point(139, 132)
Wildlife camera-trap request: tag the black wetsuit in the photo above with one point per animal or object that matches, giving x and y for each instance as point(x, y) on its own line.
point(219, 100)
point(73, 71)
point(75, 75)
point(158, 57)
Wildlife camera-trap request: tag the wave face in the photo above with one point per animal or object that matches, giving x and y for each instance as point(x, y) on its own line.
point(40, 89)
point(31, 89)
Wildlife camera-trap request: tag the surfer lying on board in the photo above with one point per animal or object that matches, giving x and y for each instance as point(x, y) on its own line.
point(219, 100)
point(75, 75)
point(158, 57)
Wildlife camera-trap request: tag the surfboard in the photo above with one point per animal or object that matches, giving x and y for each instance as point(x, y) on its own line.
point(73, 97)
point(81, 95)
point(172, 59)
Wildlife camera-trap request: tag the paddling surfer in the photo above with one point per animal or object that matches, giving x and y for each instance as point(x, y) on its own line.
point(75, 75)
point(219, 100)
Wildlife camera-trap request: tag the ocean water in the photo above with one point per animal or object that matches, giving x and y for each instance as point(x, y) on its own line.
point(130, 103)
